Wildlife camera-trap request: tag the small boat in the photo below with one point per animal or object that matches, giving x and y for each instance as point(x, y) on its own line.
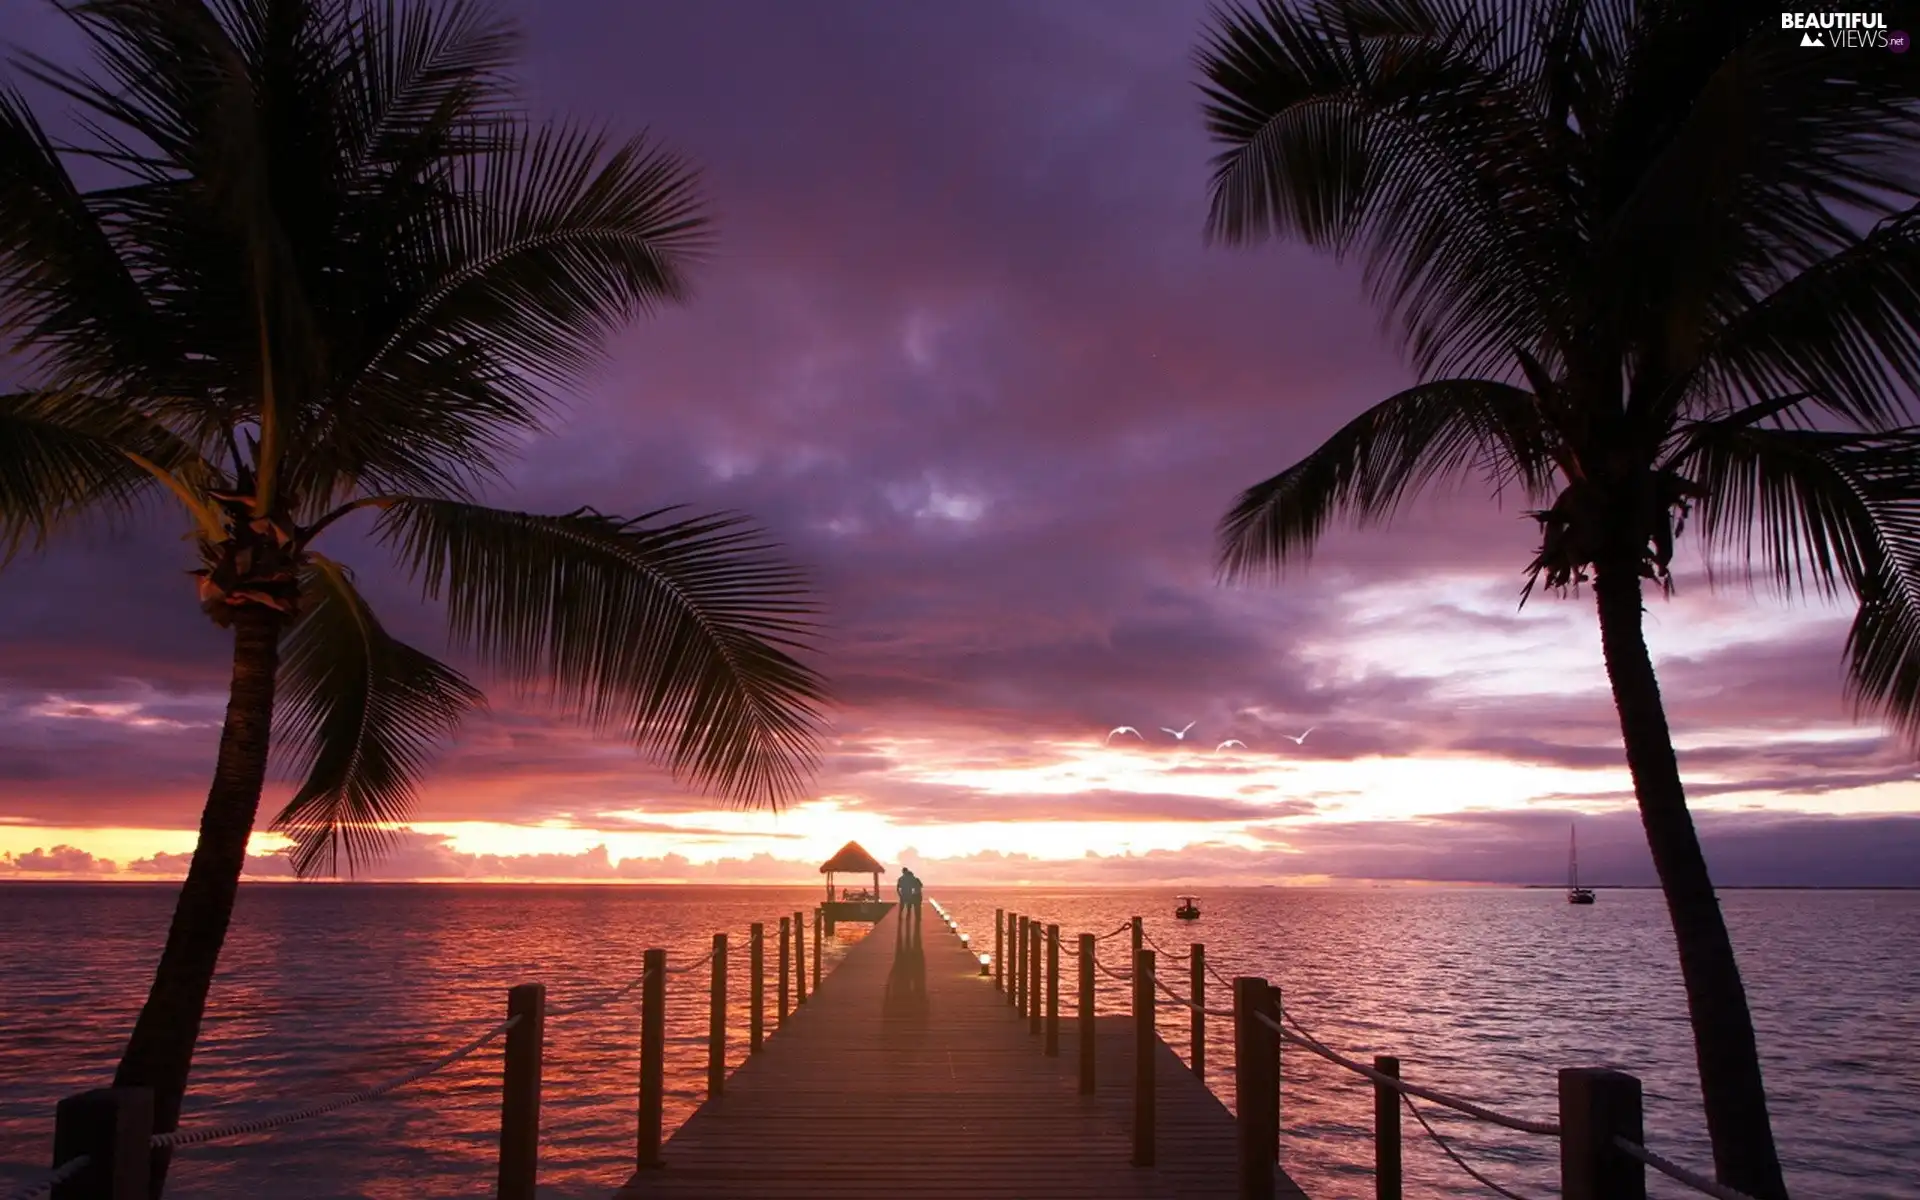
point(1575, 893)
point(1188, 910)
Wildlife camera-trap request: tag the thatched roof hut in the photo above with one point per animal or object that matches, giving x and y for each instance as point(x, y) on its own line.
point(853, 859)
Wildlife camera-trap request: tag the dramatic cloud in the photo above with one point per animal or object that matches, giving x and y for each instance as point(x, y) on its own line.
point(963, 351)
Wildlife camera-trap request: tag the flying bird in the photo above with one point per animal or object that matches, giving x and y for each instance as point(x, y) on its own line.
point(1124, 729)
point(1179, 735)
point(1231, 742)
point(1302, 738)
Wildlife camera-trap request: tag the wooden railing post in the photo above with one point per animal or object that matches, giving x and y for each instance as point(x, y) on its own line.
point(1255, 1085)
point(717, 1020)
point(799, 958)
point(520, 1093)
point(1036, 981)
point(757, 986)
point(111, 1128)
point(1197, 1030)
point(1053, 991)
point(653, 1059)
point(1020, 966)
point(1139, 937)
point(786, 956)
point(1279, 1072)
point(1088, 1018)
point(1596, 1106)
point(1386, 1131)
point(1143, 1047)
point(999, 949)
point(1013, 959)
point(818, 917)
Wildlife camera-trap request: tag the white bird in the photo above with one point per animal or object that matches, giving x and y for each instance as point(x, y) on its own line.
point(1231, 742)
point(1179, 735)
point(1124, 729)
point(1302, 738)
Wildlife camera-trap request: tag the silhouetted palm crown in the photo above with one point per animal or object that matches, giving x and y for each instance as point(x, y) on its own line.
point(314, 261)
point(1623, 244)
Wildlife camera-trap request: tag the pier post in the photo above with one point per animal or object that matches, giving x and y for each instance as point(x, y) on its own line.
point(1053, 991)
point(1036, 980)
point(110, 1127)
point(1256, 1085)
point(1279, 1069)
point(1197, 989)
point(717, 1019)
point(1143, 1048)
point(817, 918)
point(519, 1165)
point(1086, 1018)
point(653, 1060)
point(1139, 937)
point(1386, 1131)
point(999, 949)
point(799, 958)
point(786, 954)
point(1013, 960)
point(757, 986)
point(1596, 1106)
point(1020, 968)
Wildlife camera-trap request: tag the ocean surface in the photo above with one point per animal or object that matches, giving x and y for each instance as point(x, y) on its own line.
point(1484, 993)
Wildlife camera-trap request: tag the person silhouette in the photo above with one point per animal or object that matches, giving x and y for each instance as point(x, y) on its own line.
point(909, 888)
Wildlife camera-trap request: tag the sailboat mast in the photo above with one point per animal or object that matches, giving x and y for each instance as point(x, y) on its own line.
point(1573, 859)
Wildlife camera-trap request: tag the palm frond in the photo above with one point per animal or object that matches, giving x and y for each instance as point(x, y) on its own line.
point(1732, 161)
point(679, 631)
point(1830, 512)
point(51, 470)
point(1380, 459)
point(1798, 509)
point(359, 712)
point(1846, 332)
point(70, 308)
point(1383, 128)
point(566, 236)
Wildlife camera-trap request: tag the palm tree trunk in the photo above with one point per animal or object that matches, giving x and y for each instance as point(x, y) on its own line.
point(1744, 1157)
point(160, 1052)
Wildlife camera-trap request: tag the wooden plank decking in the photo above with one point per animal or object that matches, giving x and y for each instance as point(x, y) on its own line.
point(906, 1070)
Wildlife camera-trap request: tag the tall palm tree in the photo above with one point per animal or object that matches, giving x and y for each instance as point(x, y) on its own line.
point(1649, 258)
point(309, 268)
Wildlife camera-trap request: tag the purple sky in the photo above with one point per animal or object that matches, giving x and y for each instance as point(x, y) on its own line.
point(962, 349)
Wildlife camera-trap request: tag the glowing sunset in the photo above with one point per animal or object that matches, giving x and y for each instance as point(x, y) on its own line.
point(994, 401)
point(498, 495)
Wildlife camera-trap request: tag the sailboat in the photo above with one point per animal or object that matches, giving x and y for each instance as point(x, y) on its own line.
point(1575, 893)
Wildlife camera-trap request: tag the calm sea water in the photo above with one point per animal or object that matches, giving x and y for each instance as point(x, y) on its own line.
point(324, 989)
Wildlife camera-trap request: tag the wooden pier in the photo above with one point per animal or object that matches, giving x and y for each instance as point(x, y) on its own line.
point(910, 1067)
point(907, 1071)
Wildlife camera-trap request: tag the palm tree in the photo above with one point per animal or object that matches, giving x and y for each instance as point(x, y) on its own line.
point(1649, 258)
point(311, 268)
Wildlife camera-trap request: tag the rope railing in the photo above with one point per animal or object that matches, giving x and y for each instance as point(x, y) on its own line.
point(1449, 1151)
point(568, 1010)
point(105, 1112)
point(1672, 1170)
point(216, 1133)
point(1389, 1087)
point(1519, 1124)
point(65, 1171)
